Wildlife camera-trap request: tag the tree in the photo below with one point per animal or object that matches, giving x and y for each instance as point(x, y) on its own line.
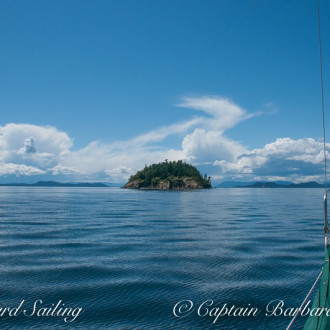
point(174, 171)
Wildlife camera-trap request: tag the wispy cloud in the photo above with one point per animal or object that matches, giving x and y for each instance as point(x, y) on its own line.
point(223, 113)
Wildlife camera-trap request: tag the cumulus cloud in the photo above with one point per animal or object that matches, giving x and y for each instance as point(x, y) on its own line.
point(203, 145)
point(100, 160)
point(66, 170)
point(119, 173)
point(208, 142)
point(19, 169)
point(285, 159)
point(32, 145)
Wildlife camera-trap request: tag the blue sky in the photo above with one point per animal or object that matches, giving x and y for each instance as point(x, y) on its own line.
point(93, 90)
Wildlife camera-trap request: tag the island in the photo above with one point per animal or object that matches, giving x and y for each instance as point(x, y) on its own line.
point(169, 175)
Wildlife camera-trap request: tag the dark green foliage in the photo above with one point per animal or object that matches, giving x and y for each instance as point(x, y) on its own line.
point(174, 172)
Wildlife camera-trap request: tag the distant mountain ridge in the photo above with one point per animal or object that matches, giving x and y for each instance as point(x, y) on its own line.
point(310, 184)
point(233, 184)
point(54, 184)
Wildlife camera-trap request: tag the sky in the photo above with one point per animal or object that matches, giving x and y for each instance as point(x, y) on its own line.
point(94, 90)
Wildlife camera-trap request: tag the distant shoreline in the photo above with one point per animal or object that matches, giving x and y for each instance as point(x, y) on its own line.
point(311, 184)
point(56, 184)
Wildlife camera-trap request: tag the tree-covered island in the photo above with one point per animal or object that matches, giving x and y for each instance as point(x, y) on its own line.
point(176, 175)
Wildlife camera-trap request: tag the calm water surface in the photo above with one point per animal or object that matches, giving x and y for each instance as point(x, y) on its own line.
point(127, 257)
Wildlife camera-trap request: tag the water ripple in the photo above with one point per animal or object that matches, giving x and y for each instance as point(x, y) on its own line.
point(127, 257)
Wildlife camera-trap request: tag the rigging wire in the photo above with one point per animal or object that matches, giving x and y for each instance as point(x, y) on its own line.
point(321, 71)
point(325, 171)
point(326, 226)
point(303, 303)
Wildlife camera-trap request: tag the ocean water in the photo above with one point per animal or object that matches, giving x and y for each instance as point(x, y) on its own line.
point(129, 259)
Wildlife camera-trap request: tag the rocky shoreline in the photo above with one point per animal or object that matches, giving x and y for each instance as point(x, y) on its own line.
point(178, 184)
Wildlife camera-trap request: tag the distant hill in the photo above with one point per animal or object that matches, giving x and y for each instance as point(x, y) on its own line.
point(311, 184)
point(54, 184)
point(234, 184)
point(176, 175)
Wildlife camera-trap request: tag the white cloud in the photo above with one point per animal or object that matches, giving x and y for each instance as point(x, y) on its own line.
point(307, 178)
point(162, 132)
point(119, 174)
point(51, 150)
point(209, 145)
point(103, 160)
point(19, 169)
point(224, 113)
point(207, 142)
point(202, 141)
point(32, 145)
point(285, 158)
point(274, 178)
point(31, 150)
point(66, 170)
